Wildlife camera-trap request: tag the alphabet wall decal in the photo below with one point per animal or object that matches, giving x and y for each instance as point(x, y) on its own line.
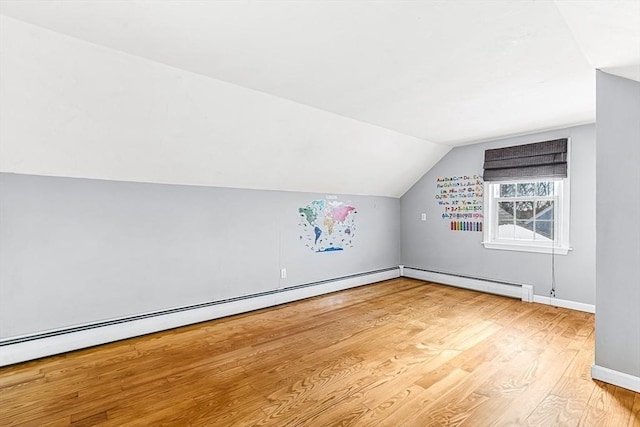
point(461, 200)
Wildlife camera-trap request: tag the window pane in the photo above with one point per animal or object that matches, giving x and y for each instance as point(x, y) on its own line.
point(505, 220)
point(524, 210)
point(545, 188)
point(544, 210)
point(527, 189)
point(505, 213)
point(507, 190)
point(544, 230)
point(524, 230)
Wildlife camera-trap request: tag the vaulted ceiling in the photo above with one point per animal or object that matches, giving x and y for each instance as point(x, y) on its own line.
point(434, 74)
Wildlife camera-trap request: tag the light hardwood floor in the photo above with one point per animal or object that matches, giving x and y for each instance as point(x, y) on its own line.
point(397, 353)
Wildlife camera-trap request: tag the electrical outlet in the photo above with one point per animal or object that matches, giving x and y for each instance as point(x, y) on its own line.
point(423, 217)
point(283, 273)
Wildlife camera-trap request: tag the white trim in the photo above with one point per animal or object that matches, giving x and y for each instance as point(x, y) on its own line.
point(616, 378)
point(573, 305)
point(524, 247)
point(521, 291)
point(504, 289)
point(28, 350)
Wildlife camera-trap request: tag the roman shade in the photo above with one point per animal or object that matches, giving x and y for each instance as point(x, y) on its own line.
point(547, 159)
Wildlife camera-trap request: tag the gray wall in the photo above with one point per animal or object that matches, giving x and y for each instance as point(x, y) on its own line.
point(618, 213)
point(74, 251)
point(431, 245)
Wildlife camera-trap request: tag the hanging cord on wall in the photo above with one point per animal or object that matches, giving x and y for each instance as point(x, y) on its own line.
point(552, 293)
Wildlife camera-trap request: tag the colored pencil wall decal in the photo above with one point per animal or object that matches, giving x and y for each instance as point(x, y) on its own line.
point(466, 226)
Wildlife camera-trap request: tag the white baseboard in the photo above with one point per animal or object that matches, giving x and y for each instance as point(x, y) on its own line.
point(523, 292)
point(580, 306)
point(520, 291)
point(98, 334)
point(616, 378)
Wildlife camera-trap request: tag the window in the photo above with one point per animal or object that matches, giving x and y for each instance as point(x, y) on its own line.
point(526, 198)
point(529, 215)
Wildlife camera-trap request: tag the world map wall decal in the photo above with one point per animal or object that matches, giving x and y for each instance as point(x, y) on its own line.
point(327, 225)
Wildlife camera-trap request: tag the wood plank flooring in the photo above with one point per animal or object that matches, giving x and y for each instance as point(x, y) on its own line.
point(396, 353)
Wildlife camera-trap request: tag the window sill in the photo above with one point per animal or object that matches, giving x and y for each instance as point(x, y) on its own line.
point(524, 247)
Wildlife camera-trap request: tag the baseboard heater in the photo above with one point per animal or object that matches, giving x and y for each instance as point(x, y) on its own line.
point(513, 290)
point(36, 345)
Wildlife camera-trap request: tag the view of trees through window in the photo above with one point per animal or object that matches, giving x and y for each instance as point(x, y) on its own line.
point(526, 211)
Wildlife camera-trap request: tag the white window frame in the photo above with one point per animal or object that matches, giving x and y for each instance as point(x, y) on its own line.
point(560, 245)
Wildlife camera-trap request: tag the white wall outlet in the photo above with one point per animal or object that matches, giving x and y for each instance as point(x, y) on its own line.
point(283, 273)
point(423, 217)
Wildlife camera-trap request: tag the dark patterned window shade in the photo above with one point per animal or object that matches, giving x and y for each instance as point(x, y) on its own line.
point(546, 159)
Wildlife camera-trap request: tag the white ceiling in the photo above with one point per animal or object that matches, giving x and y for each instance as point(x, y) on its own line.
point(447, 72)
